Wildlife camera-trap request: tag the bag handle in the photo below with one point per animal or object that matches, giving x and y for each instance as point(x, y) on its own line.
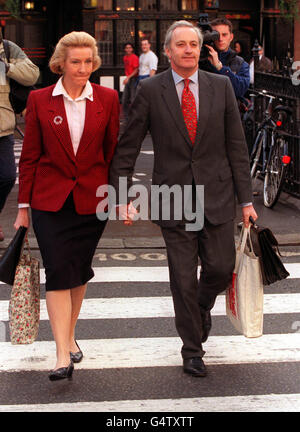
point(244, 236)
point(25, 245)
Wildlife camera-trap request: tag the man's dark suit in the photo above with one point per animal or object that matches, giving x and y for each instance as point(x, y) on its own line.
point(218, 160)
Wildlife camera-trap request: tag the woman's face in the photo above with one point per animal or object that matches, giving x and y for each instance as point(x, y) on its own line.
point(237, 47)
point(78, 65)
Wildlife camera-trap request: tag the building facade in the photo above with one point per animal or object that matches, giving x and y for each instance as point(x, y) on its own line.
point(37, 25)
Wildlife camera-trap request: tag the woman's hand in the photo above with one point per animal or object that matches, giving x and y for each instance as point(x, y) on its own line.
point(22, 218)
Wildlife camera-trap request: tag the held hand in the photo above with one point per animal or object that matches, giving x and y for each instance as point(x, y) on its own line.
point(125, 81)
point(213, 57)
point(247, 212)
point(127, 213)
point(22, 218)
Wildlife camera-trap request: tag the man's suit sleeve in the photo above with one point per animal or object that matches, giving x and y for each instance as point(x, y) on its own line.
point(236, 148)
point(112, 130)
point(129, 145)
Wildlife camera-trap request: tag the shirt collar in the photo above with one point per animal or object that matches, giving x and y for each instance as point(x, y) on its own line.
point(87, 92)
point(177, 78)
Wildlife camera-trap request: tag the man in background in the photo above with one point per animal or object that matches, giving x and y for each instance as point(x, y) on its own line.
point(147, 62)
point(225, 61)
point(22, 70)
point(264, 64)
point(131, 66)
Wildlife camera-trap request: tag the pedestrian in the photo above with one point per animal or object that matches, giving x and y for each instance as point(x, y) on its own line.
point(225, 61)
point(197, 140)
point(22, 70)
point(131, 66)
point(147, 61)
point(71, 132)
point(240, 48)
point(264, 64)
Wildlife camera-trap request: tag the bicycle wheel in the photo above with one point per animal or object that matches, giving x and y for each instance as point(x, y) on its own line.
point(256, 152)
point(275, 174)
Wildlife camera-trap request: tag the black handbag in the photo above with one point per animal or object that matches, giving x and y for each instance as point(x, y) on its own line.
point(11, 256)
point(265, 246)
point(18, 93)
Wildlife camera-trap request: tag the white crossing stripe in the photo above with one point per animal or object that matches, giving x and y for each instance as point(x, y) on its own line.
point(152, 307)
point(248, 403)
point(149, 274)
point(153, 352)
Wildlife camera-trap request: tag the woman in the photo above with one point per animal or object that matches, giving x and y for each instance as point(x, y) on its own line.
point(71, 133)
point(241, 50)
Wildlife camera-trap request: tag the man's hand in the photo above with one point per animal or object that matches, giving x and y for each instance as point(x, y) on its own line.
point(127, 213)
point(213, 57)
point(247, 212)
point(126, 80)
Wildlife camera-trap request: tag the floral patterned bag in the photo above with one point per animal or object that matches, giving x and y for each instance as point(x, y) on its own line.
point(24, 305)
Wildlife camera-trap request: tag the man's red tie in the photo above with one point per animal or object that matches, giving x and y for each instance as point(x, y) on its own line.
point(189, 111)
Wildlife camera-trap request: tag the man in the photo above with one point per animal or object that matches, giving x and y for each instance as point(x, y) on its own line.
point(264, 64)
point(147, 61)
point(131, 66)
point(225, 61)
point(198, 140)
point(22, 70)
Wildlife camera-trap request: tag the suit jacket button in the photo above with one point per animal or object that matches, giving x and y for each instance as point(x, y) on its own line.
point(73, 178)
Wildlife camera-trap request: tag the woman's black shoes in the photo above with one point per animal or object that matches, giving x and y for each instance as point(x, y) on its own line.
point(62, 373)
point(77, 356)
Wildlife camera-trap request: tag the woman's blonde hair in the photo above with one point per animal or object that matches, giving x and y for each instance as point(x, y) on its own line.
point(74, 39)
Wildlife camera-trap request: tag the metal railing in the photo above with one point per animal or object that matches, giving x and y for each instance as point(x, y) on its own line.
point(286, 94)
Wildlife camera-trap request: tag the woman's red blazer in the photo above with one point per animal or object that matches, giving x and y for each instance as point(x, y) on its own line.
point(49, 169)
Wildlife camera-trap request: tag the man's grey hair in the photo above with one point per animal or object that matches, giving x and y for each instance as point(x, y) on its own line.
point(181, 23)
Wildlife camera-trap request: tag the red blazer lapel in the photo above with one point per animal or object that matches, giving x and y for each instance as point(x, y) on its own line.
point(59, 124)
point(94, 117)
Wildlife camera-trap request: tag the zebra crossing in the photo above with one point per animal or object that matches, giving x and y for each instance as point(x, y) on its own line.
point(132, 358)
point(17, 150)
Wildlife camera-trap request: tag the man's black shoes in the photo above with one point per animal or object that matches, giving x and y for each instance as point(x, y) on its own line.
point(195, 367)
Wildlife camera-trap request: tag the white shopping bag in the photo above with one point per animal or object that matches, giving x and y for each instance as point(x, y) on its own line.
point(244, 297)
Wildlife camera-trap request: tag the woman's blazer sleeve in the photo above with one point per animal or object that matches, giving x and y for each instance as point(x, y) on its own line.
point(31, 151)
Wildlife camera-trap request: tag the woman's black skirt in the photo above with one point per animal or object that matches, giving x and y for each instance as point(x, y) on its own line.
point(67, 243)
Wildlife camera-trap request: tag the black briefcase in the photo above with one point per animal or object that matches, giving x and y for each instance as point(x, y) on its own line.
point(10, 258)
point(265, 246)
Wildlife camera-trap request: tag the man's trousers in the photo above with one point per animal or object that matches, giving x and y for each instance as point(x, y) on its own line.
point(215, 247)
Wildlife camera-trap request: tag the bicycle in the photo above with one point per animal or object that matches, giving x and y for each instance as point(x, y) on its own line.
point(271, 144)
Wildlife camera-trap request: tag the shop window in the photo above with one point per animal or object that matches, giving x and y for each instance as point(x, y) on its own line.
point(90, 3)
point(189, 5)
point(104, 38)
point(147, 30)
point(147, 5)
point(269, 4)
point(127, 5)
point(125, 33)
point(105, 4)
point(169, 5)
point(163, 27)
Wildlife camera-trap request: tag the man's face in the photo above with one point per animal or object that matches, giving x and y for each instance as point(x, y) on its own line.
point(128, 49)
point(225, 37)
point(145, 46)
point(184, 50)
